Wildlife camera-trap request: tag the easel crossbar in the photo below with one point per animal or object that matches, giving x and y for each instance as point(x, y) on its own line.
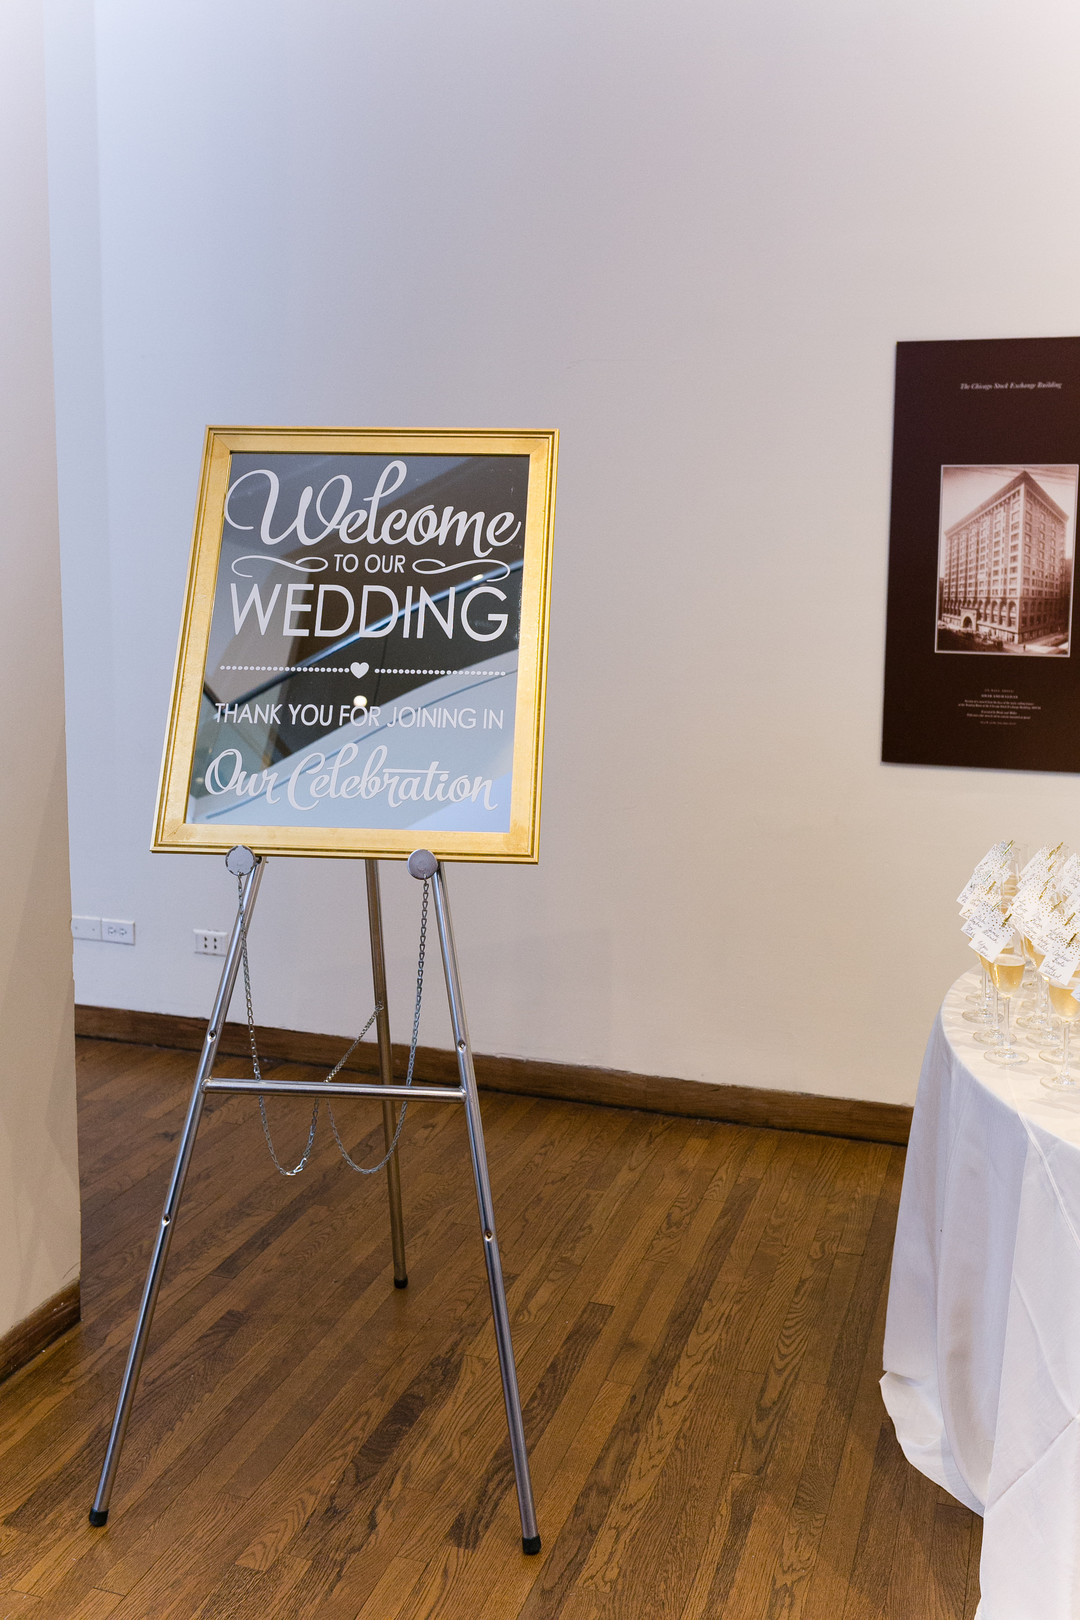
point(338, 1088)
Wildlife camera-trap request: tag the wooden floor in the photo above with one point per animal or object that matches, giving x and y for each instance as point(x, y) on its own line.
point(697, 1311)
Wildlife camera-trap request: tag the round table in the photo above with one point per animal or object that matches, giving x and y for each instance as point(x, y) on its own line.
point(982, 1342)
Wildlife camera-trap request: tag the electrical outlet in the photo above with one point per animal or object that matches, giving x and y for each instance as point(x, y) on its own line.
point(209, 942)
point(86, 927)
point(116, 932)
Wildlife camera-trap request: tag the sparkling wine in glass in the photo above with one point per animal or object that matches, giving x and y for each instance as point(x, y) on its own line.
point(983, 1013)
point(1008, 972)
point(990, 1034)
point(1064, 1005)
point(1039, 1023)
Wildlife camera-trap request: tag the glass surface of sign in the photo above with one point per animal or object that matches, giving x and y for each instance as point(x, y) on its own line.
point(361, 667)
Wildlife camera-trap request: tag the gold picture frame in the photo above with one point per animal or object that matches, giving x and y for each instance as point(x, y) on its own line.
point(250, 667)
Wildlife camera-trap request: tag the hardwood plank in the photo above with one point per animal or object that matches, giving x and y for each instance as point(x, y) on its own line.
point(460, 1452)
point(399, 1303)
point(567, 1560)
point(781, 1256)
point(828, 1512)
point(391, 1591)
point(224, 1535)
point(205, 1335)
point(93, 1605)
point(571, 1441)
point(673, 1539)
point(712, 1586)
point(583, 1405)
point(451, 1581)
point(475, 1518)
point(911, 1587)
point(868, 1591)
point(509, 1582)
point(267, 1419)
point(534, 1343)
point(246, 1595)
point(782, 1427)
point(704, 1379)
point(697, 1309)
point(20, 1606)
point(869, 1170)
point(153, 1440)
point(974, 1555)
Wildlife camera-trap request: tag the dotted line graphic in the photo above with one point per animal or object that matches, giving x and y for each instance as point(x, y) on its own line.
point(326, 669)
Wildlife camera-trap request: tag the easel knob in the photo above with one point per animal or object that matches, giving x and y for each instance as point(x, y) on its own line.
point(241, 861)
point(422, 864)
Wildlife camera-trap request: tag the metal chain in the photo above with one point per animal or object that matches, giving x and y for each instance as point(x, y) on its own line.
point(370, 1169)
point(306, 1155)
point(363, 1170)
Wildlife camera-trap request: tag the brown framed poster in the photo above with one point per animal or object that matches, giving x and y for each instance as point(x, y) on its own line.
point(981, 662)
point(362, 656)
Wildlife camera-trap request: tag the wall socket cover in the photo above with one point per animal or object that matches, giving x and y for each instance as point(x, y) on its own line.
point(86, 927)
point(211, 941)
point(117, 932)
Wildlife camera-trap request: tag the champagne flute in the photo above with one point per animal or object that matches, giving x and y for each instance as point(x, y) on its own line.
point(983, 1013)
point(1027, 951)
point(991, 1034)
point(980, 996)
point(1065, 1007)
point(1008, 972)
point(1037, 1021)
point(1046, 1011)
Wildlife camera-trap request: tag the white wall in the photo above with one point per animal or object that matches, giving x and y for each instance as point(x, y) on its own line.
point(39, 1182)
point(688, 233)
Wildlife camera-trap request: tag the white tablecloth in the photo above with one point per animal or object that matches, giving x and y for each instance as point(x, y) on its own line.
point(982, 1343)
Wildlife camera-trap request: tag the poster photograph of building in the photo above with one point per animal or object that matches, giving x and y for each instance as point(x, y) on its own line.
point(979, 664)
point(1005, 560)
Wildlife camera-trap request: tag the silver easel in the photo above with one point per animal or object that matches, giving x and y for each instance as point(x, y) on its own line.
point(249, 869)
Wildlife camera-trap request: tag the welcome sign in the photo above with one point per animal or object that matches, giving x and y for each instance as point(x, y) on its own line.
point(362, 658)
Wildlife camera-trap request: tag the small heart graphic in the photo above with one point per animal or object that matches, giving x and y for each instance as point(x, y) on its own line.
point(359, 669)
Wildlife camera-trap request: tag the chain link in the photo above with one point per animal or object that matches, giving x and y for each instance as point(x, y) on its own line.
point(361, 1169)
point(370, 1169)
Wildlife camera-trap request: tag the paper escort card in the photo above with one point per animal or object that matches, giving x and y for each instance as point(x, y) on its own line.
point(991, 936)
point(362, 657)
point(1061, 961)
point(993, 868)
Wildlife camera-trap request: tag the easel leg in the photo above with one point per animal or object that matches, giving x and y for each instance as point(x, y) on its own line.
point(99, 1513)
point(386, 1070)
point(530, 1537)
